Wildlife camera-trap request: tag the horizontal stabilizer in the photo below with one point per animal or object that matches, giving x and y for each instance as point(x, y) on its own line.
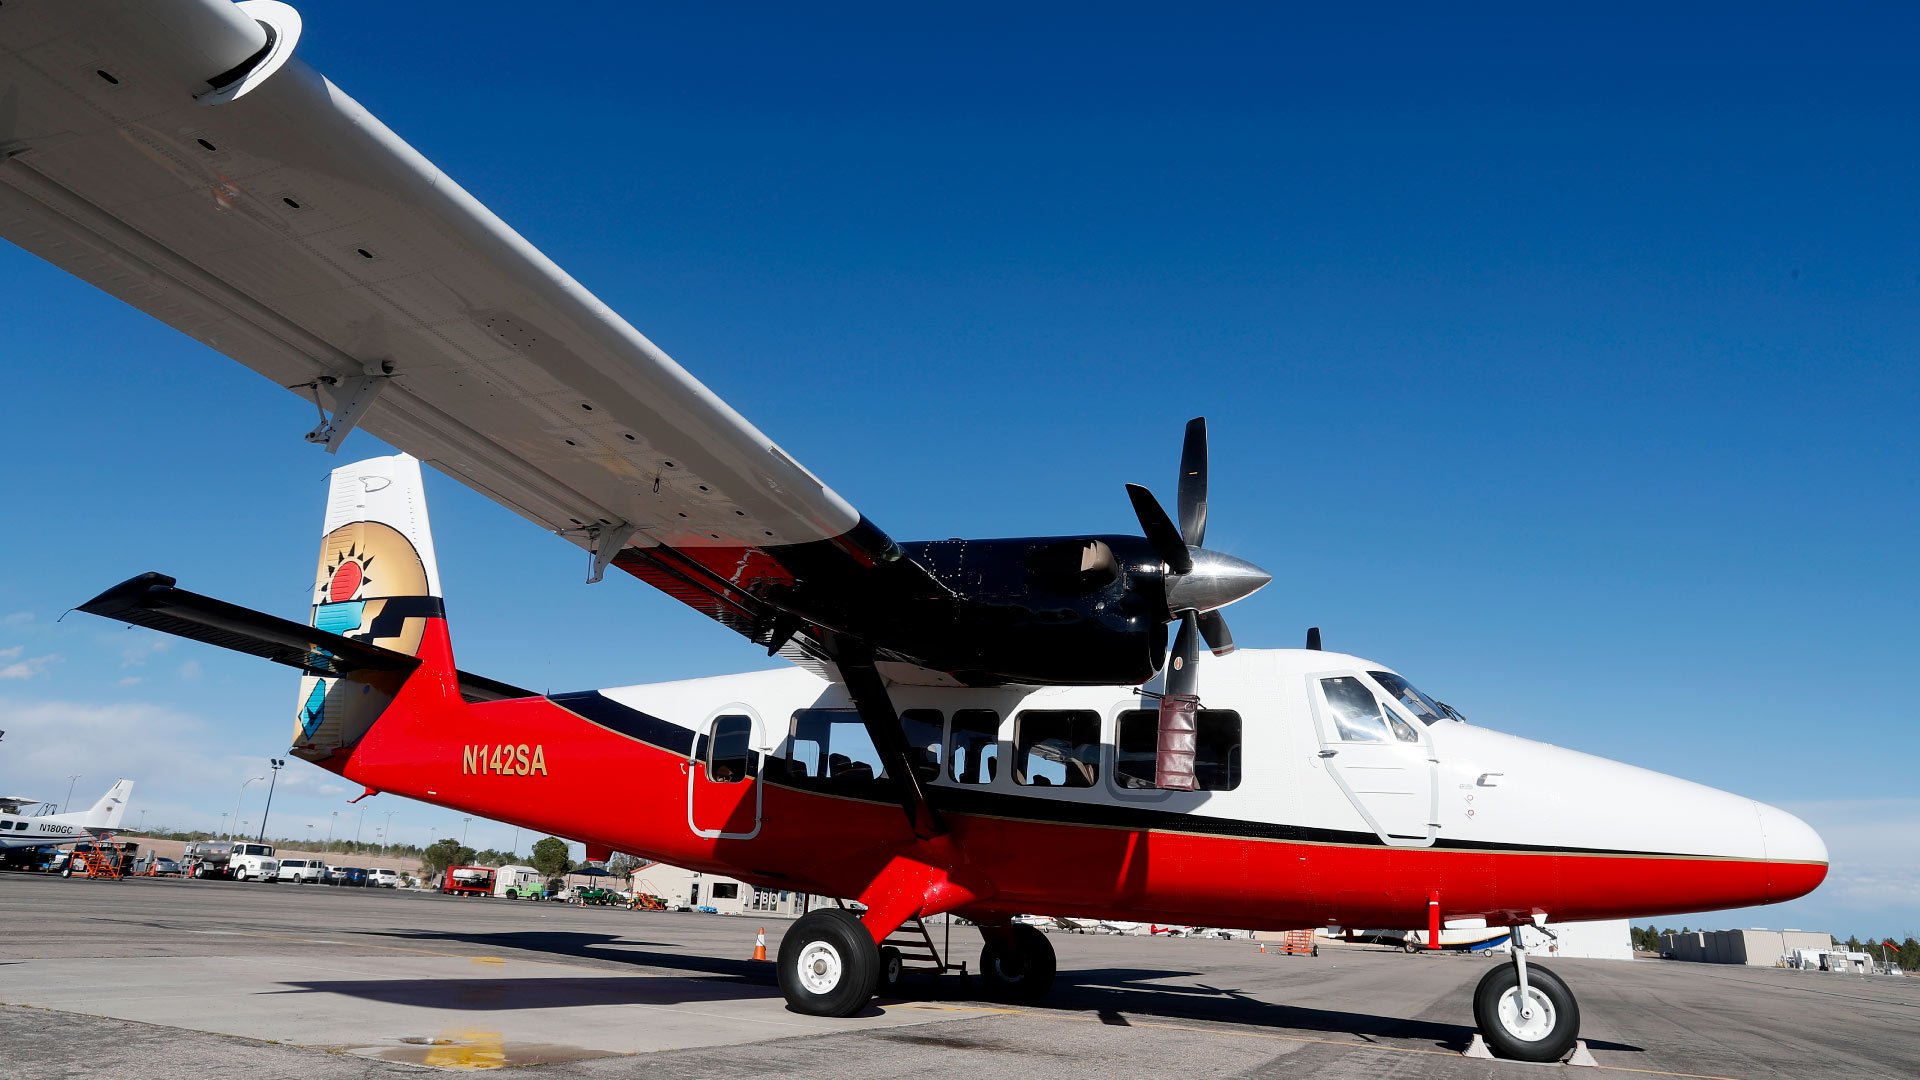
point(152, 601)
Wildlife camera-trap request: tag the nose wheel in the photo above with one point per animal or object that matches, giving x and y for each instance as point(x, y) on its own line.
point(1525, 1012)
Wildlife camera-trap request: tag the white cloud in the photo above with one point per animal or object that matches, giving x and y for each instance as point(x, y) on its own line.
point(189, 670)
point(27, 668)
point(8, 654)
point(16, 618)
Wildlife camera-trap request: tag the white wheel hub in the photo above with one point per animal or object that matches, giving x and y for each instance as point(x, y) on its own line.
point(1538, 1021)
point(819, 967)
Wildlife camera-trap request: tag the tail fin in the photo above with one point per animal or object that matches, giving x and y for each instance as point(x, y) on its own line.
point(378, 582)
point(112, 807)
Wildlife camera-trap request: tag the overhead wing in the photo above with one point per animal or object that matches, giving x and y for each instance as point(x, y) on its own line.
point(179, 155)
point(11, 804)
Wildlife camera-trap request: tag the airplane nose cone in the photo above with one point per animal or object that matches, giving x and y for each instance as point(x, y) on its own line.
point(1215, 581)
point(1796, 856)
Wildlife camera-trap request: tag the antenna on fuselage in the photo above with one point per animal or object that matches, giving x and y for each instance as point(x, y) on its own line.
point(1313, 638)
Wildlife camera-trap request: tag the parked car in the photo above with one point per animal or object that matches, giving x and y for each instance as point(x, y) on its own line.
point(384, 876)
point(347, 875)
point(303, 871)
point(151, 865)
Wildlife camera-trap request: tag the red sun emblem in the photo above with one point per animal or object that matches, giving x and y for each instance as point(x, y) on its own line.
point(346, 582)
point(346, 579)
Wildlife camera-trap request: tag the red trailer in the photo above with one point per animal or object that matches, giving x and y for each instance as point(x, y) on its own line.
point(468, 881)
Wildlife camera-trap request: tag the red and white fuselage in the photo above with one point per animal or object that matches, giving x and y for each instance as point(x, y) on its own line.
point(1317, 829)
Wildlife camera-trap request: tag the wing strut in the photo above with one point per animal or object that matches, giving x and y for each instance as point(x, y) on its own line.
point(870, 699)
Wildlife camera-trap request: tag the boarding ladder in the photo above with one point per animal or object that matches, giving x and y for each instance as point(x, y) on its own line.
point(103, 861)
point(917, 949)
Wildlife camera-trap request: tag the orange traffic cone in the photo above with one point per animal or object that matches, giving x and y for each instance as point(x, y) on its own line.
point(1263, 949)
point(760, 944)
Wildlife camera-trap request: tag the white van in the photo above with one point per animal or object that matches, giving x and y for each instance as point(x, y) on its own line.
point(303, 871)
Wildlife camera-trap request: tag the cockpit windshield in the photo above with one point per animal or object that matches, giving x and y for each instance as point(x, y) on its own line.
point(1425, 709)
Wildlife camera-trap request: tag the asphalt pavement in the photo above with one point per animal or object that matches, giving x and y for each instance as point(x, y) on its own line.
point(158, 979)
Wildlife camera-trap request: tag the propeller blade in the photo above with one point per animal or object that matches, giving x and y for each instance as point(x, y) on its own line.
point(1159, 530)
point(1213, 627)
point(1191, 500)
point(1183, 672)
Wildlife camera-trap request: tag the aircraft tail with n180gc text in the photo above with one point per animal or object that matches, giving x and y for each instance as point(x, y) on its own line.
point(102, 818)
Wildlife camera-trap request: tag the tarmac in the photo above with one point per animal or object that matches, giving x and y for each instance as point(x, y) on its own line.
point(160, 979)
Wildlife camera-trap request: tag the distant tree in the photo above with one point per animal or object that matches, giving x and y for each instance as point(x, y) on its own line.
point(1853, 944)
point(550, 857)
point(1910, 954)
point(622, 864)
point(438, 856)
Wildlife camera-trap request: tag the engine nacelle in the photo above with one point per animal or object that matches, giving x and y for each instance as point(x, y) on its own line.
point(1053, 610)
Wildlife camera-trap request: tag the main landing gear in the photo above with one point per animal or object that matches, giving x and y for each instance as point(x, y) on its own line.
point(1016, 963)
point(830, 966)
point(1526, 1013)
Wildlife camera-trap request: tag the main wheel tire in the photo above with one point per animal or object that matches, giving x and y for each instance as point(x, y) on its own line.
point(1547, 1035)
point(828, 964)
point(893, 972)
point(1020, 967)
point(67, 870)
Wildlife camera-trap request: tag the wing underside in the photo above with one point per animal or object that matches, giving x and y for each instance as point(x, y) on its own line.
point(289, 229)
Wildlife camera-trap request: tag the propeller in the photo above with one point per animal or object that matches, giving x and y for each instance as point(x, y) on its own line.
point(1198, 584)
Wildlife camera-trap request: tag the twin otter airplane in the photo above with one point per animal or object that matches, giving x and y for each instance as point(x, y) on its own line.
point(982, 727)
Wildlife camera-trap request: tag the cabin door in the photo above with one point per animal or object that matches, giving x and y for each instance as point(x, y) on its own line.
point(723, 776)
point(1380, 757)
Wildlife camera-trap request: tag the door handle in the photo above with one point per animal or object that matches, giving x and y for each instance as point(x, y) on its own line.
point(1328, 753)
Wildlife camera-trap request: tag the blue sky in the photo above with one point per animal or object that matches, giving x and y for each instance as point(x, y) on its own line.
point(1564, 363)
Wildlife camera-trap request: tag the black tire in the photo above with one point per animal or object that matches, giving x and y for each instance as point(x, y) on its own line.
point(67, 870)
point(893, 972)
point(828, 964)
point(1021, 970)
point(1548, 1036)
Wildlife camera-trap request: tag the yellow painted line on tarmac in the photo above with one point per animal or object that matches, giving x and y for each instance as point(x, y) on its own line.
point(1242, 1032)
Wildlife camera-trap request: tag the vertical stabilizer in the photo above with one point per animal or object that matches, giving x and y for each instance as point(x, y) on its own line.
point(112, 807)
point(377, 581)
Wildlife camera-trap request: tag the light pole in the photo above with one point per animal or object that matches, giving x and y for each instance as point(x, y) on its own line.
point(463, 830)
point(223, 823)
point(143, 822)
point(68, 805)
point(331, 822)
point(387, 833)
point(236, 806)
point(309, 837)
point(361, 820)
point(278, 764)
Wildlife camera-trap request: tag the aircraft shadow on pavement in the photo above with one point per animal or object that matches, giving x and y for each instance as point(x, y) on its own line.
point(516, 994)
point(1110, 992)
point(605, 948)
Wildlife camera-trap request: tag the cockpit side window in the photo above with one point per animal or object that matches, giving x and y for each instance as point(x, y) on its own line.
point(1424, 709)
point(1355, 712)
point(1361, 717)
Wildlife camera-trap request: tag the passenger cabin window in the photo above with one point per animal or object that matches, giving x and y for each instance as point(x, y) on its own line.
point(730, 749)
point(830, 748)
point(973, 749)
point(1216, 749)
point(1056, 748)
point(1361, 717)
point(924, 728)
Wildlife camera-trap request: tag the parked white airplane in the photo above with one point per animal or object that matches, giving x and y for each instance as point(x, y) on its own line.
point(18, 830)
